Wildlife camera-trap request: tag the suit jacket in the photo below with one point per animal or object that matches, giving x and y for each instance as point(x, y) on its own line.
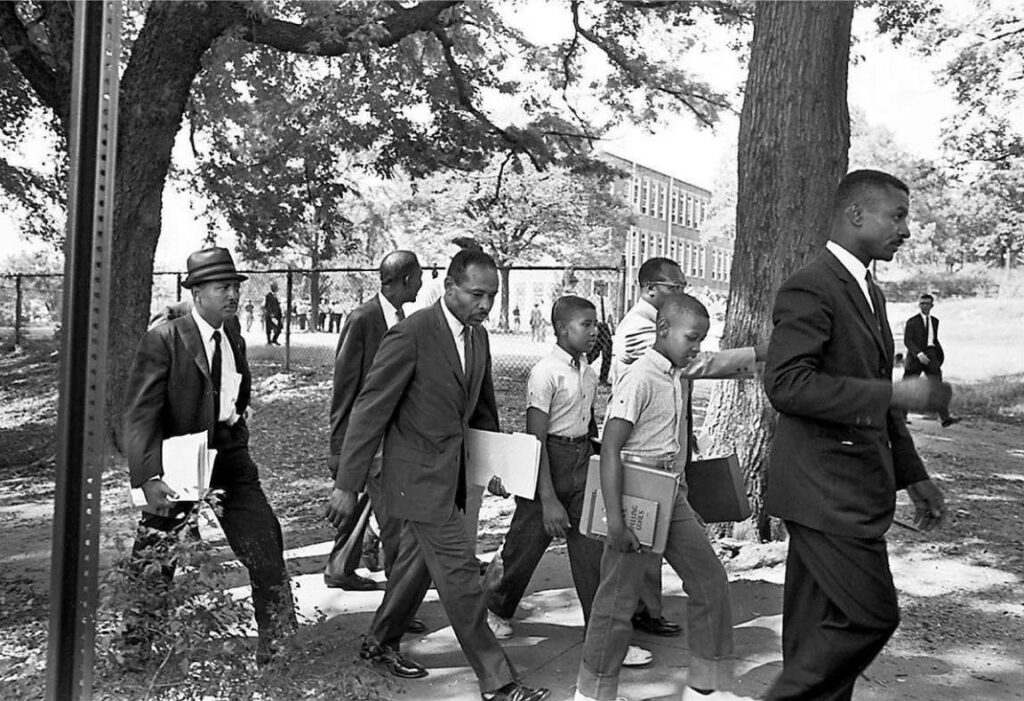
point(271, 307)
point(170, 393)
point(839, 452)
point(916, 340)
point(417, 399)
point(357, 345)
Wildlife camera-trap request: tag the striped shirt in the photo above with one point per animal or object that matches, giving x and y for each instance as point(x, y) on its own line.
point(635, 334)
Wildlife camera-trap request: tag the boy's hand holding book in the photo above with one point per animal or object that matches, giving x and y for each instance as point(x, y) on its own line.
point(621, 538)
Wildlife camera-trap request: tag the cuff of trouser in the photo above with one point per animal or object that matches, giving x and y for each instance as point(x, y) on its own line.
point(492, 682)
point(710, 674)
point(593, 685)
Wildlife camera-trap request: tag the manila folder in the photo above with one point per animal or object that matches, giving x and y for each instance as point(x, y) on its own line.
point(187, 463)
point(514, 457)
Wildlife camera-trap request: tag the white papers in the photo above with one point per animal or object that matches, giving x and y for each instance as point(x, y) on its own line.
point(187, 466)
point(514, 457)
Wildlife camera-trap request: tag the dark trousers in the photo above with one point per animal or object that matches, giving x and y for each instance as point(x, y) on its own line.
point(273, 327)
point(390, 533)
point(527, 540)
point(912, 367)
point(252, 531)
point(442, 552)
point(839, 610)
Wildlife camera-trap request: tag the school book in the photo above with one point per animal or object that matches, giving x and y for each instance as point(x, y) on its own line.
point(514, 457)
point(188, 463)
point(650, 492)
point(716, 491)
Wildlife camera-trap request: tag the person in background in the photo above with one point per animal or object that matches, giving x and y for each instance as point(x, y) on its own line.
point(400, 280)
point(924, 352)
point(190, 375)
point(515, 319)
point(647, 418)
point(841, 448)
point(272, 315)
point(560, 411)
point(537, 323)
point(430, 382)
point(249, 315)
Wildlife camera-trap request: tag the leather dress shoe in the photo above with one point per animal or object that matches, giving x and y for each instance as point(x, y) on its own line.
point(416, 626)
point(349, 582)
point(514, 691)
point(398, 664)
point(655, 626)
point(950, 420)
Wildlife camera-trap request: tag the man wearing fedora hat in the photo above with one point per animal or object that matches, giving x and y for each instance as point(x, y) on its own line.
point(190, 375)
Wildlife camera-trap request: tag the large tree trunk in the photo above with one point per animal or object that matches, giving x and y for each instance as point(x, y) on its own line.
point(503, 270)
point(793, 144)
point(154, 90)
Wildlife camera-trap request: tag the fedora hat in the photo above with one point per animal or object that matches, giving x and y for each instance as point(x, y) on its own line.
point(211, 264)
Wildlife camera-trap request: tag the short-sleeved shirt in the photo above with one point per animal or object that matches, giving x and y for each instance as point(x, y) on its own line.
point(564, 391)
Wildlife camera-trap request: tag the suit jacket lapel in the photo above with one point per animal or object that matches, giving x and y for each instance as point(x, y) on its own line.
point(194, 344)
point(447, 343)
point(860, 303)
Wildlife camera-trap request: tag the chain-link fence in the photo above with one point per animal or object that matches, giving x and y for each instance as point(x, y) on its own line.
point(315, 303)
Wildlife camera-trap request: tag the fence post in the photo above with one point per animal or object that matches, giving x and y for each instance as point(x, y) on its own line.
point(622, 291)
point(17, 310)
point(177, 287)
point(288, 322)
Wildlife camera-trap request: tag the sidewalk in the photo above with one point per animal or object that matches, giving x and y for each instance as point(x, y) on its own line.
point(548, 636)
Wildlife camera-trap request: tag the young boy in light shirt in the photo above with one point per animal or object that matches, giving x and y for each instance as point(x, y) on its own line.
point(647, 418)
point(560, 412)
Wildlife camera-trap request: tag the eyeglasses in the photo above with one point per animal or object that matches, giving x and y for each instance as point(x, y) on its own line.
point(672, 286)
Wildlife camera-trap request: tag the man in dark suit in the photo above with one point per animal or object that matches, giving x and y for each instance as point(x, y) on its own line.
point(190, 375)
point(400, 280)
point(841, 448)
point(272, 315)
point(924, 352)
point(430, 381)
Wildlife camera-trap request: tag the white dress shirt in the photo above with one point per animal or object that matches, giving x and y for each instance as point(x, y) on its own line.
point(456, 328)
point(230, 380)
point(856, 268)
point(390, 311)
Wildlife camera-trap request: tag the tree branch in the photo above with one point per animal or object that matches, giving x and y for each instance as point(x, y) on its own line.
point(25, 55)
point(308, 39)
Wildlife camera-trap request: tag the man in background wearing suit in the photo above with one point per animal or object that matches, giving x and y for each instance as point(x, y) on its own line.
point(924, 352)
point(841, 447)
point(272, 315)
point(190, 375)
point(400, 280)
point(430, 381)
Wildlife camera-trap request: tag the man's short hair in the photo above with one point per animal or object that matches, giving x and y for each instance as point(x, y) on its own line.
point(682, 304)
point(465, 258)
point(568, 306)
point(654, 269)
point(859, 185)
point(924, 296)
point(397, 265)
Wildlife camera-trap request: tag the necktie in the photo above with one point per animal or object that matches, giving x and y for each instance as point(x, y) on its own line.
point(215, 375)
point(876, 299)
point(928, 331)
point(467, 346)
point(399, 313)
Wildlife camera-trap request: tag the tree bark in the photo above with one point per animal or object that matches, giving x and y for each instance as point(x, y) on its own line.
point(504, 271)
point(793, 143)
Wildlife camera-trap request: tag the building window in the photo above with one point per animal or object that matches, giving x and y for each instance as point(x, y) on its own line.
point(636, 192)
point(644, 196)
point(661, 201)
point(702, 253)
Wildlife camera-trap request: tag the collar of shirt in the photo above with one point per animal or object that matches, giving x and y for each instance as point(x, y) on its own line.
point(390, 311)
point(454, 324)
point(660, 362)
point(856, 268)
point(206, 332)
point(566, 357)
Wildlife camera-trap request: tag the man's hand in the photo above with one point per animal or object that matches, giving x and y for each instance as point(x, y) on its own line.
point(497, 488)
point(921, 394)
point(929, 504)
point(923, 358)
point(160, 498)
point(340, 506)
point(556, 520)
point(622, 539)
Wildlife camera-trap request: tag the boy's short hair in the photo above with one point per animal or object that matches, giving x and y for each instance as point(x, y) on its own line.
point(925, 296)
point(567, 307)
point(653, 270)
point(682, 304)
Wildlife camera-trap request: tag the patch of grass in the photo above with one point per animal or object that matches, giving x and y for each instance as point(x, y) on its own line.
point(1000, 398)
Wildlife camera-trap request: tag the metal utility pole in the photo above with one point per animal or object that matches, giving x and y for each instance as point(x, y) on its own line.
point(81, 430)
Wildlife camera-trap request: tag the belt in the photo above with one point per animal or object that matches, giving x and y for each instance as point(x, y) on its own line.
point(566, 439)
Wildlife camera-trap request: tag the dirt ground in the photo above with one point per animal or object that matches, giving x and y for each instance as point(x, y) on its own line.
point(960, 587)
